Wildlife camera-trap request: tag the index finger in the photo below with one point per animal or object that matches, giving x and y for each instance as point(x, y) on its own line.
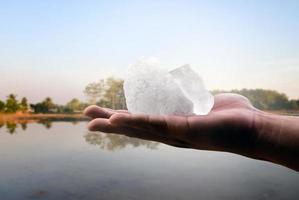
point(94, 111)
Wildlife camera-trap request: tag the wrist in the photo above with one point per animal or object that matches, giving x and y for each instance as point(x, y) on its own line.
point(278, 139)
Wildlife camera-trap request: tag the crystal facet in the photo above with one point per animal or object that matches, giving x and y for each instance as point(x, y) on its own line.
point(152, 89)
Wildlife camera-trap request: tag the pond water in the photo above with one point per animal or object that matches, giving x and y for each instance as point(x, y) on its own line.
point(62, 160)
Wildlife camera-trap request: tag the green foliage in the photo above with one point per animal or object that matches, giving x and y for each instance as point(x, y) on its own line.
point(11, 127)
point(113, 96)
point(49, 103)
point(24, 104)
point(46, 106)
point(74, 105)
point(294, 104)
point(94, 91)
point(2, 106)
point(63, 109)
point(38, 108)
point(12, 105)
point(106, 93)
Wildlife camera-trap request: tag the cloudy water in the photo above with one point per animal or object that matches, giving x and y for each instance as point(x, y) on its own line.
point(62, 160)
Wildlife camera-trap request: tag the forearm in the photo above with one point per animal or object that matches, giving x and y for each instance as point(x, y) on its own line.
point(278, 139)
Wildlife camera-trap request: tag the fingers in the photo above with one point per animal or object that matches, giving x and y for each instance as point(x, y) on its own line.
point(94, 111)
point(173, 127)
point(104, 125)
point(124, 118)
point(97, 112)
point(140, 121)
point(165, 128)
point(140, 126)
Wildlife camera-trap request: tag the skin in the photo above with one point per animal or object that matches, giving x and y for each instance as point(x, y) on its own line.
point(233, 125)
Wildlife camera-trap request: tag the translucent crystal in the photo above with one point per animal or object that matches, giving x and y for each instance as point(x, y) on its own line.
point(151, 89)
point(194, 89)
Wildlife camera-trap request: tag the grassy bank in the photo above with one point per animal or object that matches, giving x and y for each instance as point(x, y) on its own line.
point(19, 117)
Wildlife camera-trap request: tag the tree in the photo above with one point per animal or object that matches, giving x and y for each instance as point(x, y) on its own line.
point(293, 105)
point(94, 91)
point(74, 105)
point(24, 104)
point(12, 105)
point(49, 105)
point(107, 93)
point(46, 106)
point(114, 93)
point(2, 106)
point(38, 108)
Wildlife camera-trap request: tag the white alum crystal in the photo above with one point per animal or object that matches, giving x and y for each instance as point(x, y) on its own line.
point(152, 89)
point(192, 86)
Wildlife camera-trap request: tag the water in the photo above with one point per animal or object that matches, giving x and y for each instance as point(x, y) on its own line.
point(61, 160)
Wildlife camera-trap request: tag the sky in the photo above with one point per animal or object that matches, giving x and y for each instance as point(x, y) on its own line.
point(55, 48)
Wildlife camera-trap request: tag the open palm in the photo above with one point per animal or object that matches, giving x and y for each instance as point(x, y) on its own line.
point(230, 126)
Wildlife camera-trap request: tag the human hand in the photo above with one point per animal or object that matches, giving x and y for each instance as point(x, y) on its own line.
point(233, 125)
point(229, 125)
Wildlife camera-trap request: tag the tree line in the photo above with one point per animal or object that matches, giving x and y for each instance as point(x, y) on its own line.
point(105, 92)
point(13, 105)
point(109, 93)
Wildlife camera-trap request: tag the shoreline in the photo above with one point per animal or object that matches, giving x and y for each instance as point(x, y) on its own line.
point(29, 117)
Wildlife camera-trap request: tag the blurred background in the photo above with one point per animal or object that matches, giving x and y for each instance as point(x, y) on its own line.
point(55, 48)
point(59, 56)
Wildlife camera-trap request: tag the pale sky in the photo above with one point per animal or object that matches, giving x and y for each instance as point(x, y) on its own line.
point(55, 48)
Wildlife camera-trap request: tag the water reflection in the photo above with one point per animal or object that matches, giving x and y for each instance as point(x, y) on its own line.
point(1, 124)
point(46, 123)
point(110, 142)
point(23, 126)
point(11, 127)
point(113, 142)
point(66, 162)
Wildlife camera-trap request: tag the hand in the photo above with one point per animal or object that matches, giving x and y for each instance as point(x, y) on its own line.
point(230, 125)
point(233, 125)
